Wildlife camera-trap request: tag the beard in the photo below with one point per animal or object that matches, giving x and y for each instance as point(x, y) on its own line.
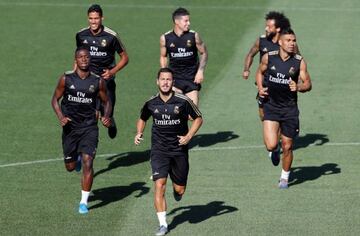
point(270, 36)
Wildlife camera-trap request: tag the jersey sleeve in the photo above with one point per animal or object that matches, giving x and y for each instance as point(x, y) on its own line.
point(192, 109)
point(145, 112)
point(118, 45)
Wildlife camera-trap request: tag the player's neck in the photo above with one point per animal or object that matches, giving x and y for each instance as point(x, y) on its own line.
point(178, 31)
point(166, 96)
point(83, 74)
point(275, 39)
point(97, 31)
point(284, 55)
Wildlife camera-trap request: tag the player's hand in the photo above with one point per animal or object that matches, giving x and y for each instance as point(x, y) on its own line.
point(64, 120)
point(263, 92)
point(292, 85)
point(138, 138)
point(107, 74)
point(199, 77)
point(246, 74)
point(106, 121)
point(183, 140)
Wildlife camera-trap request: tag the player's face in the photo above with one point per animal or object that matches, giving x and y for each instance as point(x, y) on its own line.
point(183, 23)
point(165, 82)
point(82, 59)
point(288, 43)
point(95, 21)
point(270, 29)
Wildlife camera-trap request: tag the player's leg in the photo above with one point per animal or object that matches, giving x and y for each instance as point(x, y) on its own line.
point(160, 164)
point(177, 90)
point(270, 132)
point(194, 96)
point(289, 130)
point(179, 172)
point(69, 144)
point(160, 205)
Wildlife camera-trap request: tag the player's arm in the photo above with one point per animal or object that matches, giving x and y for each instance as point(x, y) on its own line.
point(195, 126)
point(140, 126)
point(259, 76)
point(124, 59)
point(163, 52)
point(58, 93)
point(250, 57)
point(201, 47)
point(304, 84)
point(105, 119)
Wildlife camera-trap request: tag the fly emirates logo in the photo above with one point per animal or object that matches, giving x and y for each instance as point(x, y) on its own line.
point(182, 53)
point(80, 98)
point(166, 120)
point(94, 51)
point(280, 79)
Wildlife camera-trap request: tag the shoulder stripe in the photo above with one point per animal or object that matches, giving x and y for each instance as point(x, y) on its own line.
point(194, 107)
point(263, 36)
point(192, 31)
point(110, 31)
point(169, 32)
point(92, 73)
point(271, 53)
point(152, 97)
point(113, 33)
point(83, 29)
point(69, 72)
point(298, 57)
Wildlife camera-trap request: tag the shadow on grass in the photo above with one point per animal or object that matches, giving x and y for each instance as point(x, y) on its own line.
point(116, 193)
point(125, 159)
point(310, 139)
point(206, 140)
point(197, 213)
point(302, 174)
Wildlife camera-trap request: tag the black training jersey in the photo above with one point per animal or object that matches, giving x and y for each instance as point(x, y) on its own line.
point(102, 47)
point(79, 99)
point(278, 74)
point(183, 54)
point(170, 119)
point(266, 45)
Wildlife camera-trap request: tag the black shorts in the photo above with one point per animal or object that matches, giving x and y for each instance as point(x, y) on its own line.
point(174, 164)
point(288, 119)
point(186, 86)
point(76, 141)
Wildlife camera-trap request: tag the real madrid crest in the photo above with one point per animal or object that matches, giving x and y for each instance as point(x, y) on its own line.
point(103, 42)
point(176, 110)
point(92, 88)
point(188, 43)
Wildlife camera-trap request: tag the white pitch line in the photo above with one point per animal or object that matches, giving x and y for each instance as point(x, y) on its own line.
point(145, 6)
point(191, 150)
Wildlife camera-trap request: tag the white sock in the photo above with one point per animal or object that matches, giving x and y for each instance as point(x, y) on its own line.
point(285, 174)
point(162, 218)
point(84, 197)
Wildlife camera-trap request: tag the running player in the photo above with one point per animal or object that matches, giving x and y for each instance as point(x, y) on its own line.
point(79, 91)
point(103, 43)
point(286, 74)
point(170, 138)
point(179, 51)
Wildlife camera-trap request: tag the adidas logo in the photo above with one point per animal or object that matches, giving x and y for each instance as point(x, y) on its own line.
point(265, 50)
point(273, 68)
point(85, 41)
point(156, 111)
point(172, 45)
point(72, 87)
point(156, 173)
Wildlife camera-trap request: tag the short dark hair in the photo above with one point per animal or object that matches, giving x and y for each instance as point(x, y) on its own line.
point(81, 48)
point(164, 70)
point(287, 31)
point(281, 21)
point(180, 12)
point(95, 8)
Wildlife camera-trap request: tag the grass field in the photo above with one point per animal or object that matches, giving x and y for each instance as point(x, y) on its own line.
point(232, 185)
